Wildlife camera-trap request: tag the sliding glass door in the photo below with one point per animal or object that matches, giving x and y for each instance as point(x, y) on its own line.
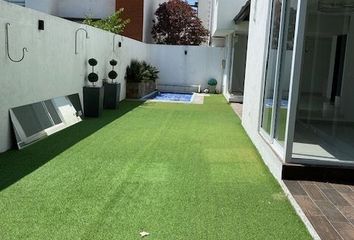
point(324, 123)
point(286, 57)
point(308, 110)
point(271, 65)
point(278, 70)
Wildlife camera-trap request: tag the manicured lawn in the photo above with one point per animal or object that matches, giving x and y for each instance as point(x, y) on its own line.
point(176, 171)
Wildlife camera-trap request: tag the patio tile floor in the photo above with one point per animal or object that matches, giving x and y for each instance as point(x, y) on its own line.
point(329, 207)
point(237, 107)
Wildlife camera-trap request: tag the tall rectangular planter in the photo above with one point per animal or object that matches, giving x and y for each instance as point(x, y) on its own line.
point(139, 90)
point(111, 95)
point(93, 101)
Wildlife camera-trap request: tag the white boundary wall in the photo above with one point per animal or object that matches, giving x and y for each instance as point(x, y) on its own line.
point(51, 68)
point(194, 68)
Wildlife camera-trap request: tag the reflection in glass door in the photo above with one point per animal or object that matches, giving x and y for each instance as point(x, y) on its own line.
point(278, 69)
point(268, 100)
point(287, 51)
point(324, 127)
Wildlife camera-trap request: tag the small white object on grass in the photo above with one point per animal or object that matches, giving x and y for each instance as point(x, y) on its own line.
point(144, 234)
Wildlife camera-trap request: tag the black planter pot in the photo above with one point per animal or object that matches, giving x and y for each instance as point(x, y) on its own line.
point(111, 95)
point(93, 101)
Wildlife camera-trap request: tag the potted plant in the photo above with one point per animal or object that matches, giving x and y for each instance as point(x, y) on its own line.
point(111, 89)
point(212, 85)
point(141, 79)
point(93, 95)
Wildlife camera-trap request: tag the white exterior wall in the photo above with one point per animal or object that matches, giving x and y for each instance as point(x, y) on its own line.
point(205, 13)
point(150, 7)
point(51, 68)
point(196, 68)
point(224, 12)
point(227, 68)
point(74, 8)
point(254, 81)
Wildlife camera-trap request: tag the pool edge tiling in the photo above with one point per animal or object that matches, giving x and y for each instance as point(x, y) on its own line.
point(173, 97)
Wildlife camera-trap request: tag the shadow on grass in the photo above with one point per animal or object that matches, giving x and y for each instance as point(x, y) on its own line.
point(16, 164)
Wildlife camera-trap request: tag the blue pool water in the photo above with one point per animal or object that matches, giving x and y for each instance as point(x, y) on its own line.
point(283, 103)
point(172, 97)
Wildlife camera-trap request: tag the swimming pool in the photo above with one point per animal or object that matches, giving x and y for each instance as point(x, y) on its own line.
point(172, 97)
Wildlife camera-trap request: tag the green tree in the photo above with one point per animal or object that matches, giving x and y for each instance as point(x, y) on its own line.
point(115, 23)
point(177, 23)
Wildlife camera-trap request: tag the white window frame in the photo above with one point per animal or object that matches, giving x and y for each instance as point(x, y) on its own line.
point(285, 152)
point(295, 79)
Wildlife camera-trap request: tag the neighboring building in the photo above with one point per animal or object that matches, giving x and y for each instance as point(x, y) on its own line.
point(71, 9)
point(142, 13)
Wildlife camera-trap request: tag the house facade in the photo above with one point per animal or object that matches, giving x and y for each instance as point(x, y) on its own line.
point(140, 12)
point(290, 63)
point(73, 10)
point(229, 29)
point(298, 100)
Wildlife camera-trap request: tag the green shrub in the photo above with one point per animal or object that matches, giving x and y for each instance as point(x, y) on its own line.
point(212, 82)
point(140, 71)
point(115, 23)
point(152, 72)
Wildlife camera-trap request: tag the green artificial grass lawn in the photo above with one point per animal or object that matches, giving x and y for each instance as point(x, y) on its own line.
point(176, 171)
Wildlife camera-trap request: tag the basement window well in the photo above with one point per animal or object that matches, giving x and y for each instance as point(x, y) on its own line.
point(35, 121)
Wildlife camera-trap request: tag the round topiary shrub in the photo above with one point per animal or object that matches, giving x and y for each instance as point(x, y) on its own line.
point(112, 75)
point(92, 77)
point(113, 62)
point(212, 85)
point(212, 82)
point(92, 62)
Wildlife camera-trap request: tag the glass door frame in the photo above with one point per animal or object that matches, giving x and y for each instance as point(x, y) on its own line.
point(284, 152)
point(295, 79)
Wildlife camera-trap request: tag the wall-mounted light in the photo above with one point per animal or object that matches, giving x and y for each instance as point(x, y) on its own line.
point(223, 63)
point(185, 52)
point(114, 42)
point(41, 25)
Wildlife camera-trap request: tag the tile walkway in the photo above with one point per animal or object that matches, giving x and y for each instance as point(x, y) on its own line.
point(237, 107)
point(329, 207)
